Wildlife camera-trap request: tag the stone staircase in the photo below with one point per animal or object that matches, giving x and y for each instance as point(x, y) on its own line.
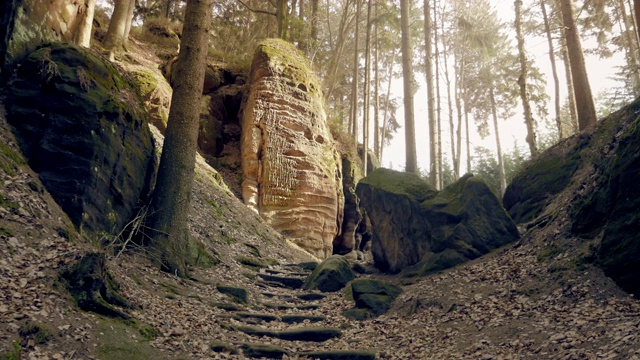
point(283, 311)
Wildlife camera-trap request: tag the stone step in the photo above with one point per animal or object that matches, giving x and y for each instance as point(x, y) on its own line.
point(339, 354)
point(310, 296)
point(255, 316)
point(291, 319)
point(306, 266)
point(283, 272)
point(288, 282)
point(315, 334)
point(287, 306)
point(269, 351)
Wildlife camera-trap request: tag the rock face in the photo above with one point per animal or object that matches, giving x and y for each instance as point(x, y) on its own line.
point(81, 126)
point(29, 23)
point(347, 241)
point(332, 274)
point(414, 224)
point(291, 170)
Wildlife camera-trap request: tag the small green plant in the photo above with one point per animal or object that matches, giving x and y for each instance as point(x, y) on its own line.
point(31, 331)
point(149, 332)
point(13, 354)
point(5, 232)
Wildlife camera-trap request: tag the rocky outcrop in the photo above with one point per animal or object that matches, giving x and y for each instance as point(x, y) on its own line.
point(373, 297)
point(332, 274)
point(347, 243)
point(83, 130)
point(156, 95)
point(26, 24)
point(412, 222)
point(291, 169)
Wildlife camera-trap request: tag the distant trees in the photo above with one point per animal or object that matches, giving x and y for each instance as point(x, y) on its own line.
point(84, 34)
point(116, 36)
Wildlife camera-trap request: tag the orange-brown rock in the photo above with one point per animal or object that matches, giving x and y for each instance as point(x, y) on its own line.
point(291, 170)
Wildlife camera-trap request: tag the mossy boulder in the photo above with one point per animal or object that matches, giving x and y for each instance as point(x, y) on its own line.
point(533, 188)
point(331, 275)
point(156, 95)
point(374, 295)
point(411, 219)
point(93, 288)
point(83, 129)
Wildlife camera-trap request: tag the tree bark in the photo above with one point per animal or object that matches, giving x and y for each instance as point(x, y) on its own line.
point(85, 30)
point(494, 114)
point(631, 53)
point(411, 164)
point(314, 22)
point(571, 97)
point(438, 174)
point(282, 19)
point(385, 118)
point(554, 70)
point(636, 16)
point(127, 30)
point(172, 195)
point(522, 82)
point(354, 85)
point(367, 91)
point(376, 93)
point(431, 107)
point(584, 100)
point(447, 80)
point(114, 39)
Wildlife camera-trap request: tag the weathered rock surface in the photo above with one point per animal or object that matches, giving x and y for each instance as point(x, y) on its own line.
point(412, 222)
point(347, 242)
point(24, 25)
point(156, 95)
point(290, 166)
point(82, 128)
point(332, 274)
point(374, 295)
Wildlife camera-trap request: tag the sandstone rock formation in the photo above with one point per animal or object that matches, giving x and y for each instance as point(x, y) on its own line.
point(30, 23)
point(596, 176)
point(415, 224)
point(83, 130)
point(347, 242)
point(291, 170)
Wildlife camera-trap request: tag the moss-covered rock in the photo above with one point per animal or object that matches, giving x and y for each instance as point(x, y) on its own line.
point(260, 351)
point(533, 187)
point(332, 274)
point(340, 355)
point(411, 219)
point(236, 293)
point(374, 295)
point(82, 128)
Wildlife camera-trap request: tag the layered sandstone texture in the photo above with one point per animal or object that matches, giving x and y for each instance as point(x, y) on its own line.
point(291, 170)
point(33, 22)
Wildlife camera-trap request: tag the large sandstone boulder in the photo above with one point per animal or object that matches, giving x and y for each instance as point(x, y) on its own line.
point(290, 167)
point(413, 222)
point(83, 130)
point(26, 24)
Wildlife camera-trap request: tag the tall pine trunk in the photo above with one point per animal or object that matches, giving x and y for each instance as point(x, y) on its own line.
point(172, 194)
point(522, 82)
point(376, 92)
point(411, 164)
point(584, 100)
point(367, 92)
point(571, 97)
point(494, 115)
point(431, 107)
point(85, 30)
point(447, 80)
point(354, 85)
point(114, 39)
point(631, 48)
point(636, 16)
point(385, 117)
point(554, 70)
point(438, 174)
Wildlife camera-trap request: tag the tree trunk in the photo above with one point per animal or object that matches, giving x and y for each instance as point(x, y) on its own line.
point(411, 164)
point(431, 107)
point(494, 114)
point(584, 100)
point(468, 138)
point(376, 94)
point(172, 195)
point(367, 91)
point(314, 21)
point(282, 19)
point(554, 70)
point(330, 81)
point(84, 32)
point(438, 174)
point(636, 16)
point(571, 96)
point(383, 136)
point(127, 30)
point(459, 83)
point(167, 13)
point(354, 85)
point(447, 80)
point(631, 53)
point(114, 39)
point(522, 82)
